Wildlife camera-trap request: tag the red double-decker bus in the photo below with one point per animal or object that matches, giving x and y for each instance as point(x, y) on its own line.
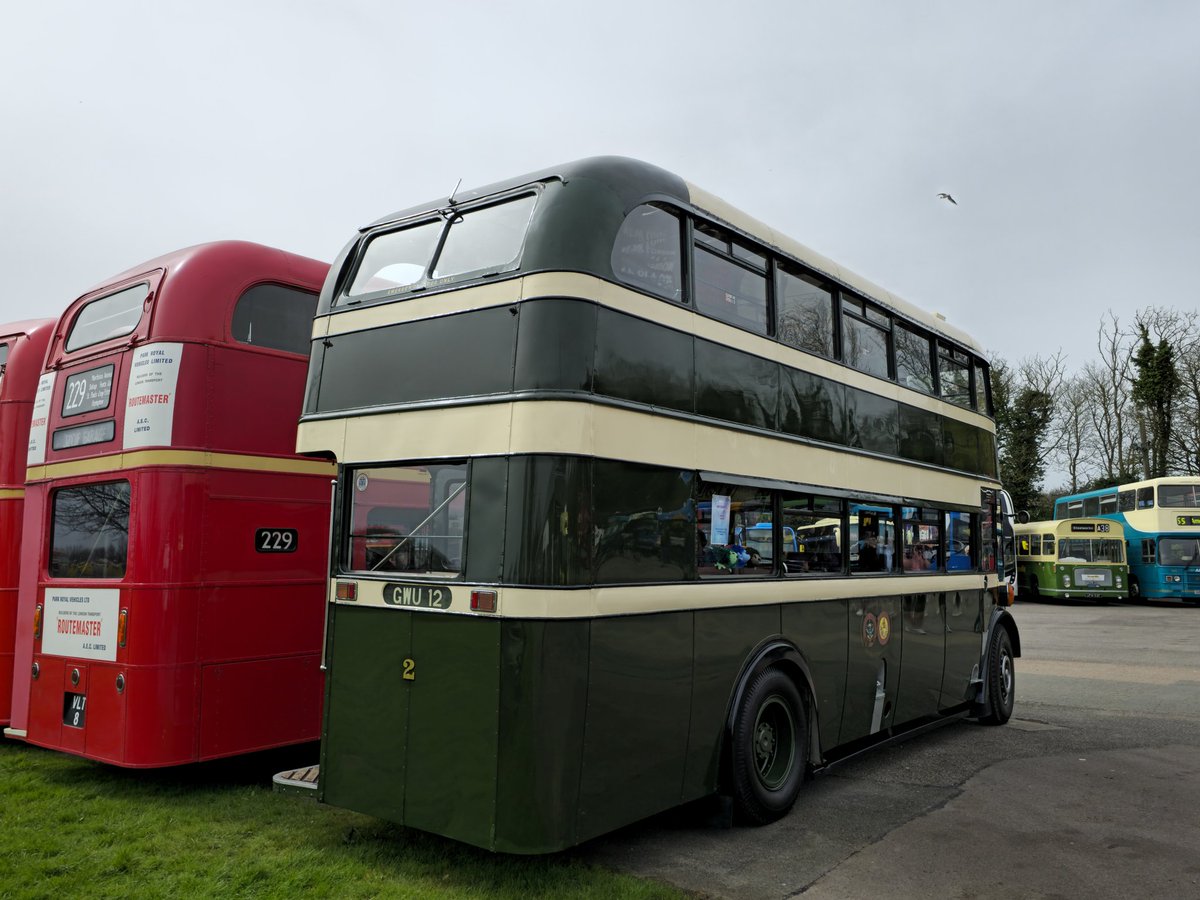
point(22, 352)
point(175, 552)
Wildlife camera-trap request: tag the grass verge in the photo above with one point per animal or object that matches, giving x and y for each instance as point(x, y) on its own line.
point(74, 828)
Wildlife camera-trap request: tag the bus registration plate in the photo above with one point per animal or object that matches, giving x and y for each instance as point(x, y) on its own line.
point(421, 596)
point(74, 707)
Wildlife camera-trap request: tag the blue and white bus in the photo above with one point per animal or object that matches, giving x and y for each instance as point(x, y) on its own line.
point(1162, 532)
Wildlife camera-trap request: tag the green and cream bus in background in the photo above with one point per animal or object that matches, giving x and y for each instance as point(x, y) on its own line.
point(1072, 559)
point(608, 386)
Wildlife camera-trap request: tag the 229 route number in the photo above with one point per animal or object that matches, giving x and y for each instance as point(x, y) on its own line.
point(276, 540)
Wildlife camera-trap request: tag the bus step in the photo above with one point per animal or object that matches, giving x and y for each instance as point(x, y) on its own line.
point(301, 781)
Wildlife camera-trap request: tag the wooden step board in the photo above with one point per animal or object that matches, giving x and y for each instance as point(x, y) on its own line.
point(297, 781)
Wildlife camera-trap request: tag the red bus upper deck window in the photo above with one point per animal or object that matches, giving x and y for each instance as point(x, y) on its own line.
point(274, 316)
point(108, 317)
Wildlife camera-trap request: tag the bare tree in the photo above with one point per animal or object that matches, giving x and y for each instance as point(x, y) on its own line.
point(1075, 413)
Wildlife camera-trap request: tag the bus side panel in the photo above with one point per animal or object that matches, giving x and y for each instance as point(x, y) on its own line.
point(725, 638)
point(363, 751)
point(873, 662)
point(11, 510)
point(453, 732)
point(263, 603)
point(543, 703)
point(33, 533)
point(638, 712)
point(923, 657)
point(819, 630)
point(965, 625)
point(236, 386)
point(257, 704)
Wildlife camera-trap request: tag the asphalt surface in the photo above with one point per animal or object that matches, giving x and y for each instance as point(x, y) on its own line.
point(1091, 790)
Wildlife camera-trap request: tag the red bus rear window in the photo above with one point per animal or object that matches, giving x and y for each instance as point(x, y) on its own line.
point(90, 538)
point(108, 317)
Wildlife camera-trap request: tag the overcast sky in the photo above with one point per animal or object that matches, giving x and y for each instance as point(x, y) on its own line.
point(1069, 133)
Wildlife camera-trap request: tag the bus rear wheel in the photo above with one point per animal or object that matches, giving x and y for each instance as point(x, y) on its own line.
point(770, 748)
point(1001, 679)
point(1135, 589)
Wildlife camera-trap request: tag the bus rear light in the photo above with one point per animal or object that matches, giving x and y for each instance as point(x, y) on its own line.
point(347, 590)
point(120, 682)
point(122, 627)
point(37, 623)
point(483, 601)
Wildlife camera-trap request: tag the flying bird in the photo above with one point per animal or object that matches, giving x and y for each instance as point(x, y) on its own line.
point(944, 196)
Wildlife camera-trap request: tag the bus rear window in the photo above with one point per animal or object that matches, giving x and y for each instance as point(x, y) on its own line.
point(90, 536)
point(109, 317)
point(407, 519)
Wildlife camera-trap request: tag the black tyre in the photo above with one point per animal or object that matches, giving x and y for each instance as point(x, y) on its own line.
point(1135, 590)
point(1034, 593)
point(770, 748)
point(1002, 679)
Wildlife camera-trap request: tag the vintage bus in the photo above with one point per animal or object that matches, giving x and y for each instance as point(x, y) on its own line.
point(1161, 522)
point(1080, 559)
point(176, 546)
point(608, 379)
point(22, 352)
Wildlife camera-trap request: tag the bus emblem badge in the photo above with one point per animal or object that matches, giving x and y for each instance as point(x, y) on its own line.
point(869, 630)
point(885, 629)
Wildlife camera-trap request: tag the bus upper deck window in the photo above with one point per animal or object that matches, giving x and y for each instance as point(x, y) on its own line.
point(274, 316)
point(647, 252)
point(1179, 496)
point(1145, 497)
point(487, 239)
point(804, 312)
point(108, 317)
point(396, 259)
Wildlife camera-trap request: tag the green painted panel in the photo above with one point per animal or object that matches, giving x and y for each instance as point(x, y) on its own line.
point(543, 701)
point(724, 641)
point(869, 644)
point(639, 694)
point(819, 631)
point(450, 782)
point(556, 340)
point(923, 657)
point(964, 644)
point(366, 711)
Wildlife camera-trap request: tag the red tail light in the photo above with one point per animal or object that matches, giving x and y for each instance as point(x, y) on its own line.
point(483, 601)
point(122, 627)
point(347, 590)
point(37, 622)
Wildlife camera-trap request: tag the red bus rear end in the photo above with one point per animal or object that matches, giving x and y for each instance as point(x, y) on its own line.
point(22, 352)
point(175, 550)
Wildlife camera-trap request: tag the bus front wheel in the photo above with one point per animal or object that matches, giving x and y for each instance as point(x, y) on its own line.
point(1135, 589)
point(1002, 679)
point(770, 748)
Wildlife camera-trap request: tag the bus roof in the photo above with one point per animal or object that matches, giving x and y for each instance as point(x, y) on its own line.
point(1112, 528)
point(27, 342)
point(633, 182)
point(205, 282)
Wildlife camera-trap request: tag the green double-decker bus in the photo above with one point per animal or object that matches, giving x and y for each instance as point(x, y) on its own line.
point(1072, 559)
point(638, 502)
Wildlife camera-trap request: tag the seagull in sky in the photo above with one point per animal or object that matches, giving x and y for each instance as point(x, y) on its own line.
point(944, 196)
